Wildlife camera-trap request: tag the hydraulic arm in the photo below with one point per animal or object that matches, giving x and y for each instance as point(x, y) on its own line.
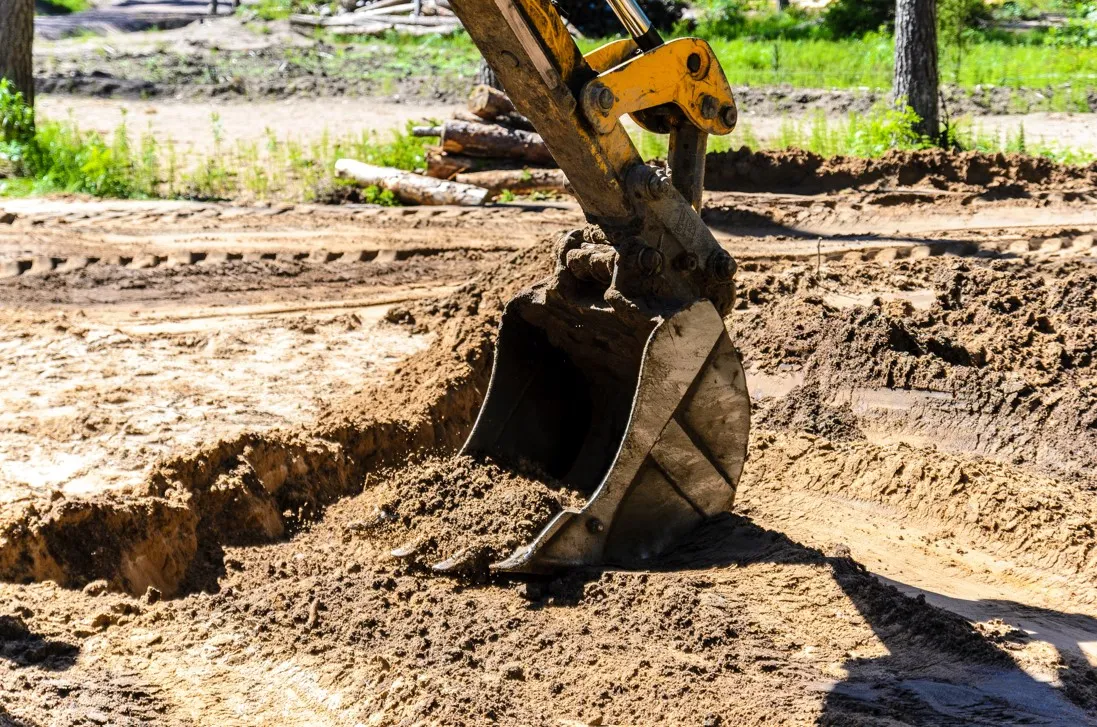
point(616, 375)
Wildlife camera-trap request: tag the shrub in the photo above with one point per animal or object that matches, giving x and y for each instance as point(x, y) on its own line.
point(854, 18)
point(722, 19)
point(16, 117)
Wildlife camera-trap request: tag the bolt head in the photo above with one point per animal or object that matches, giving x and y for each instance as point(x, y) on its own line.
point(650, 261)
point(594, 525)
point(658, 184)
point(729, 115)
point(686, 261)
point(721, 266)
point(606, 99)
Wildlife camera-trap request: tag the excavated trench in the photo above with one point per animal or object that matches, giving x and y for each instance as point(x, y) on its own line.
point(946, 402)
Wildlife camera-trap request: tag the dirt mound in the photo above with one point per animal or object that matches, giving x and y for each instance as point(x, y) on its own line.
point(466, 513)
point(1000, 359)
point(1034, 520)
point(725, 631)
point(977, 404)
point(256, 488)
point(803, 172)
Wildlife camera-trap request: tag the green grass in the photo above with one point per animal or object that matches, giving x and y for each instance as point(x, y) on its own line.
point(872, 135)
point(50, 156)
point(55, 156)
point(868, 63)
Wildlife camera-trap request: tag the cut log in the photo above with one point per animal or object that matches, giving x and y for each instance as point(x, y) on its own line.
point(445, 166)
point(360, 23)
point(387, 9)
point(377, 4)
point(488, 103)
point(302, 19)
point(411, 187)
point(373, 29)
point(468, 116)
point(519, 181)
point(491, 140)
point(513, 120)
point(352, 19)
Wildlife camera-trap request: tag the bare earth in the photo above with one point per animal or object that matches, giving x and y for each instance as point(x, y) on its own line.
point(189, 124)
point(234, 403)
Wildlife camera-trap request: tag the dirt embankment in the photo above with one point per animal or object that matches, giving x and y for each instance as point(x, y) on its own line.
point(974, 410)
point(990, 175)
point(255, 488)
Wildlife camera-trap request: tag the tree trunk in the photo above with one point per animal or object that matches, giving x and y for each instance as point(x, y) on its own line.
point(486, 76)
point(916, 61)
point(16, 41)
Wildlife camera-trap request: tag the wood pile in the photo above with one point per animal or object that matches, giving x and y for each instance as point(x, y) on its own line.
point(418, 17)
point(482, 153)
point(493, 146)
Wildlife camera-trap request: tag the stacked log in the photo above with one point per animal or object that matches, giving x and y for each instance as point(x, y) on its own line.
point(419, 17)
point(411, 187)
point(482, 153)
point(493, 146)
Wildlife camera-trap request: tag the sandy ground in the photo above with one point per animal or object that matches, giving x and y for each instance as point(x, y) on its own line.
point(189, 124)
point(141, 329)
point(158, 347)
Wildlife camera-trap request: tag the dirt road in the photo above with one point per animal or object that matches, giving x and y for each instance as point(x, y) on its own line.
point(189, 125)
point(921, 365)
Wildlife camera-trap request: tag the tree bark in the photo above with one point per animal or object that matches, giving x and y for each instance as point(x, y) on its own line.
point(441, 165)
point(916, 61)
point(16, 42)
point(519, 181)
point(411, 187)
point(491, 140)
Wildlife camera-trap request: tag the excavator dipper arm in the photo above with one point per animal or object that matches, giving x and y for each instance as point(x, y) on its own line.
point(616, 375)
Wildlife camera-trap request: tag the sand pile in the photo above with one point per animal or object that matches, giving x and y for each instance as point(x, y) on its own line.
point(461, 511)
point(741, 625)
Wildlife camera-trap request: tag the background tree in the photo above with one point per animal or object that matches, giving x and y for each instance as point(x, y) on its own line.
point(16, 40)
point(916, 61)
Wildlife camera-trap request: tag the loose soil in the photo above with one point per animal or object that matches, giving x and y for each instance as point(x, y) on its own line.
point(912, 542)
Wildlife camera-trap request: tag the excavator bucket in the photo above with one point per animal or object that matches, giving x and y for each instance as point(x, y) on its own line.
point(650, 419)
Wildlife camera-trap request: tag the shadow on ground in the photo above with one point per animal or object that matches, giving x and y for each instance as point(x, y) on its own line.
point(939, 669)
point(23, 647)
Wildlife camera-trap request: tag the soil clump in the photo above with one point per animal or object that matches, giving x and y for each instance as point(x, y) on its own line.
point(466, 513)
